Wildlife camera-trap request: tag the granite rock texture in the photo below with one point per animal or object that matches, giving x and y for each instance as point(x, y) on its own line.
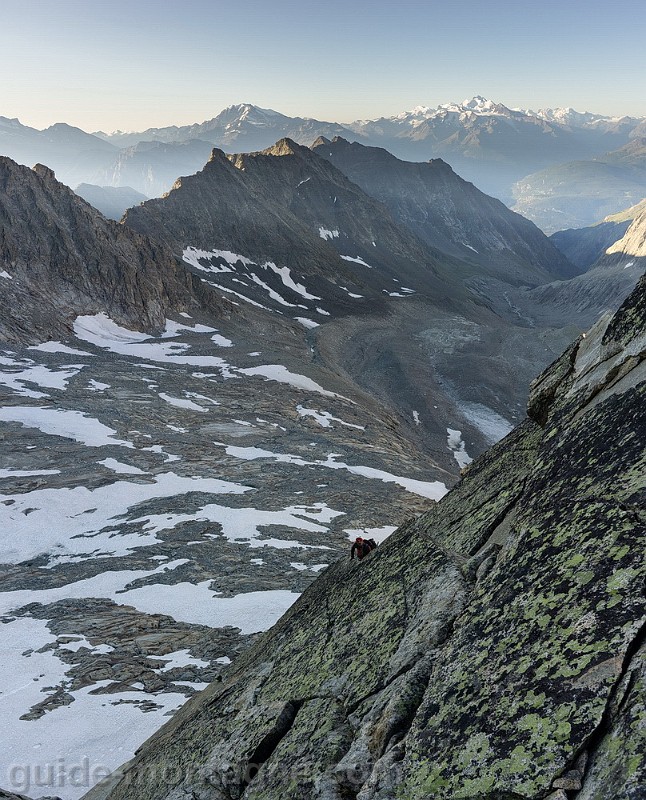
point(491, 648)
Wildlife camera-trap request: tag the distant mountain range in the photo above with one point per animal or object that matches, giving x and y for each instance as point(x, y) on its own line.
point(485, 142)
point(111, 201)
point(579, 193)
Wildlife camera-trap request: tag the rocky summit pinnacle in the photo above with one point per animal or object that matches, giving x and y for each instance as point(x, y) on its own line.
point(492, 648)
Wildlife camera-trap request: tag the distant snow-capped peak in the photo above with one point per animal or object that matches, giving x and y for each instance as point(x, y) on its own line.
point(480, 103)
point(479, 106)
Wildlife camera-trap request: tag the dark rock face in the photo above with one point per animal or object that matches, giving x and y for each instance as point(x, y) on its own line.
point(492, 648)
point(216, 208)
point(448, 213)
point(59, 258)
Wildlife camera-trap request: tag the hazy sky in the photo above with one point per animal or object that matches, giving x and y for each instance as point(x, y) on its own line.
point(131, 64)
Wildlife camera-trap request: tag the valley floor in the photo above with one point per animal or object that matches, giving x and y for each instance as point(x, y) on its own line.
point(165, 499)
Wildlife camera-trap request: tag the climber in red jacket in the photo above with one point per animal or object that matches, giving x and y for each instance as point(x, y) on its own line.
point(362, 547)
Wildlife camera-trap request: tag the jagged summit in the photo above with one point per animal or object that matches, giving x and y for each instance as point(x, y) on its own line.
point(287, 147)
point(42, 171)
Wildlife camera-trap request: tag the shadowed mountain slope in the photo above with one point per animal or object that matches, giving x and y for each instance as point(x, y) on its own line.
point(492, 648)
point(602, 287)
point(449, 213)
point(585, 246)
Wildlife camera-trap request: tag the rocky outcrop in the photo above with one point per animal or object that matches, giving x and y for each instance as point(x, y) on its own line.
point(59, 257)
point(491, 649)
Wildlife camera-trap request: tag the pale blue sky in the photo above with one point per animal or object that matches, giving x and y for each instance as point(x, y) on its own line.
point(131, 64)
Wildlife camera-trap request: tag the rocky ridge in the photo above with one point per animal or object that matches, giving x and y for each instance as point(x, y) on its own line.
point(59, 257)
point(291, 207)
point(492, 648)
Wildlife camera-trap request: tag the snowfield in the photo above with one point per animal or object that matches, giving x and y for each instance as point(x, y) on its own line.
point(92, 515)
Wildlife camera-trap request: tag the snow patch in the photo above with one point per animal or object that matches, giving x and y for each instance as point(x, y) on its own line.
point(198, 604)
point(101, 331)
point(178, 402)
point(27, 473)
point(58, 347)
point(24, 372)
point(431, 489)
point(306, 323)
point(288, 281)
point(279, 373)
point(72, 523)
point(120, 467)
point(356, 260)
point(61, 422)
point(457, 445)
point(324, 418)
point(492, 426)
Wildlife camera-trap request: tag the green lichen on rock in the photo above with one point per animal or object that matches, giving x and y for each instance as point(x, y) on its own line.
point(485, 651)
